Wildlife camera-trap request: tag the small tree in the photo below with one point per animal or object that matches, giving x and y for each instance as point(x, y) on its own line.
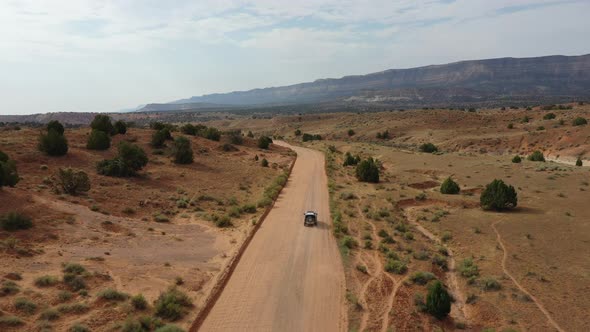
point(449, 187)
point(8, 173)
point(298, 132)
point(579, 162)
point(98, 140)
point(367, 171)
point(438, 300)
point(351, 132)
point(120, 127)
point(131, 159)
point(579, 121)
point(264, 142)
point(73, 181)
point(189, 129)
point(53, 143)
point(350, 160)
point(210, 133)
point(103, 123)
point(516, 159)
point(428, 148)
point(264, 163)
point(14, 221)
point(498, 196)
point(183, 153)
point(159, 138)
point(55, 125)
point(536, 156)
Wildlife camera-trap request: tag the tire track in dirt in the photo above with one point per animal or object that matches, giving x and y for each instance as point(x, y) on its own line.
point(459, 296)
point(517, 284)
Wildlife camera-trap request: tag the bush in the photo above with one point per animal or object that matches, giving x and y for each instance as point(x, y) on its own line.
point(351, 132)
point(309, 137)
point(110, 294)
point(8, 173)
point(264, 142)
point(249, 208)
point(449, 187)
point(510, 126)
point(348, 242)
point(428, 148)
point(141, 324)
point(223, 221)
point(74, 282)
point(210, 133)
point(516, 159)
point(27, 306)
point(183, 153)
point(169, 328)
point(79, 328)
point(384, 135)
point(131, 158)
point(49, 314)
point(189, 129)
point(73, 268)
point(264, 162)
point(368, 171)
point(103, 123)
point(579, 121)
point(98, 140)
point(172, 304)
point(11, 321)
point(549, 116)
point(491, 284)
point(438, 300)
point(349, 160)
point(235, 138)
point(139, 302)
point(468, 268)
point(396, 266)
point(46, 281)
point(56, 126)
point(53, 143)
point(159, 138)
point(298, 132)
point(120, 127)
point(15, 221)
point(498, 196)
point(579, 162)
point(536, 156)
point(422, 278)
point(73, 181)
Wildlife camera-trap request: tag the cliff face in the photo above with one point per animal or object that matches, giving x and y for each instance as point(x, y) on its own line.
point(543, 76)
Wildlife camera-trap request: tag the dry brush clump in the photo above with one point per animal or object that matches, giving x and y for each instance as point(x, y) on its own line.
point(8, 172)
point(72, 181)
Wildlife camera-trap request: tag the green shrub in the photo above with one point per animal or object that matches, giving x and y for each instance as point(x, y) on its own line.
point(549, 116)
point(73, 181)
point(396, 266)
point(351, 132)
point(103, 123)
point(264, 142)
point(468, 268)
point(498, 196)
point(491, 284)
point(311, 137)
point(110, 294)
point(98, 140)
point(15, 221)
point(579, 162)
point(11, 321)
point(8, 287)
point(64, 296)
point(367, 171)
point(8, 173)
point(161, 218)
point(141, 324)
point(131, 158)
point(172, 304)
point(183, 153)
point(264, 162)
point(169, 328)
point(74, 282)
point(74, 308)
point(56, 126)
point(438, 300)
point(210, 133)
point(298, 132)
point(223, 221)
point(449, 187)
point(422, 278)
point(428, 148)
point(350, 160)
point(46, 281)
point(120, 127)
point(517, 159)
point(53, 143)
point(27, 306)
point(536, 156)
point(348, 242)
point(249, 208)
point(50, 314)
point(79, 328)
point(510, 126)
point(159, 138)
point(441, 261)
point(139, 302)
point(384, 135)
point(74, 268)
point(579, 121)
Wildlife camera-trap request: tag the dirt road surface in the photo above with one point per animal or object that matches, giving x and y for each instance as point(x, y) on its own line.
point(290, 277)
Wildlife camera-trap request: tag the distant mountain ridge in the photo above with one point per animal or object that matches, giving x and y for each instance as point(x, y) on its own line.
point(548, 76)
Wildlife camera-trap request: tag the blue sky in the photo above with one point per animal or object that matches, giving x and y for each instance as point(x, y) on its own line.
point(95, 55)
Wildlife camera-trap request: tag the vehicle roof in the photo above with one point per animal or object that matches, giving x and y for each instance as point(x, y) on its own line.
point(311, 212)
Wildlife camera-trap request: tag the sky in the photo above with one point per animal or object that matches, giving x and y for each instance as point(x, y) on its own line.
point(100, 55)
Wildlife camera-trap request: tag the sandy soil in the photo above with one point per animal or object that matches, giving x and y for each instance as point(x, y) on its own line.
point(290, 277)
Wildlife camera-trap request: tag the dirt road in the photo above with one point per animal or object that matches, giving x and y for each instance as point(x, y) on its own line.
point(290, 277)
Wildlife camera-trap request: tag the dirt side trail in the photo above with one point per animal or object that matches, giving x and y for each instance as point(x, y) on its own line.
point(290, 277)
